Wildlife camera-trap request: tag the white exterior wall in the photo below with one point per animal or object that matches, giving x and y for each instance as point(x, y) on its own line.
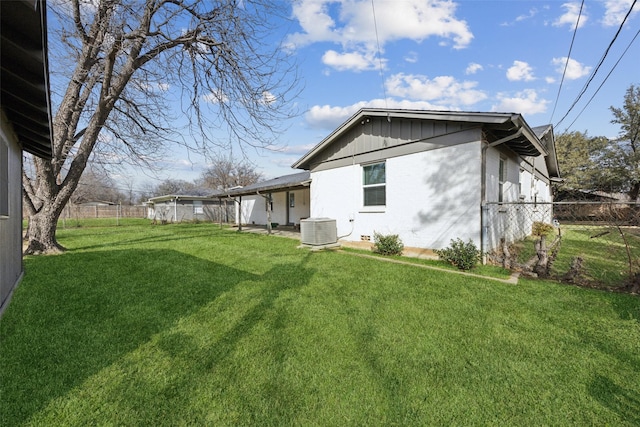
point(11, 225)
point(254, 211)
point(432, 197)
point(526, 183)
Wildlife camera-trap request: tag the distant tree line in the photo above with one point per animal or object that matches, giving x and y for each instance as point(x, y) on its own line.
point(96, 185)
point(598, 163)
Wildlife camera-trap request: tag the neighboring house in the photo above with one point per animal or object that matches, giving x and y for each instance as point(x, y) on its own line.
point(429, 176)
point(285, 199)
point(186, 207)
point(25, 123)
point(581, 205)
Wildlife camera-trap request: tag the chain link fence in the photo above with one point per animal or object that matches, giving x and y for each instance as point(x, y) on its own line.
point(588, 243)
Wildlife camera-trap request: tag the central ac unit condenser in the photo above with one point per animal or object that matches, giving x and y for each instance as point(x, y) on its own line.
point(318, 231)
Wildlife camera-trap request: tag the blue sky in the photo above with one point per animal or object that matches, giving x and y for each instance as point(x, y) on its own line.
point(468, 55)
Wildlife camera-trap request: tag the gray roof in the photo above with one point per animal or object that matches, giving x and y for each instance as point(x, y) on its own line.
point(281, 183)
point(509, 129)
point(24, 73)
point(194, 194)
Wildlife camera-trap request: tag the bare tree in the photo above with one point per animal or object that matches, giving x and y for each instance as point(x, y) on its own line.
point(227, 172)
point(118, 66)
point(96, 185)
point(174, 186)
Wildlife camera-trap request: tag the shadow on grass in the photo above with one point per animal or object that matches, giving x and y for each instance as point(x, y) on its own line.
point(78, 313)
point(624, 402)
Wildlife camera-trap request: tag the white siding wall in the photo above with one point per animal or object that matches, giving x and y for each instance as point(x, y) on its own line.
point(254, 208)
point(432, 197)
point(11, 226)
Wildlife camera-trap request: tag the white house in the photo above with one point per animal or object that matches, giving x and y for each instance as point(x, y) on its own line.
point(285, 199)
point(25, 123)
point(430, 176)
point(189, 207)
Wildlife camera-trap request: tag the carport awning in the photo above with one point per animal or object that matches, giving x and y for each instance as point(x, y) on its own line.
point(283, 183)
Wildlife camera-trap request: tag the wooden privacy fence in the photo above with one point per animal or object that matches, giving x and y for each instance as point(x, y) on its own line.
point(103, 211)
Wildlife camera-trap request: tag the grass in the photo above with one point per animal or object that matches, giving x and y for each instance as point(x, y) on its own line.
point(481, 270)
point(602, 248)
point(190, 324)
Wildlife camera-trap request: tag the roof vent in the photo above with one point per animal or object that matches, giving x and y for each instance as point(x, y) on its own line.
point(318, 231)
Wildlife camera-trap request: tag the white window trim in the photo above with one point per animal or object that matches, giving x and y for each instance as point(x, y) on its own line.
point(198, 207)
point(373, 208)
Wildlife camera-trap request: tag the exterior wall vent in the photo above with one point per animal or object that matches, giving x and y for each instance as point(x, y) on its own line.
point(318, 231)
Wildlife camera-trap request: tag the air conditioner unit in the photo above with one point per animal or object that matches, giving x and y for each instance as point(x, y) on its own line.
point(318, 231)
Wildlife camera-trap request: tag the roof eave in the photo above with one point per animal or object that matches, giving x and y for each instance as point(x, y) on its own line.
point(471, 117)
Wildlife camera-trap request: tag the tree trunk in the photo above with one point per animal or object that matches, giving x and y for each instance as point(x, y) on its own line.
point(42, 233)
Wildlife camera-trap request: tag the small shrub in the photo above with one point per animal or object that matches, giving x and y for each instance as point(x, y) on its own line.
point(465, 256)
point(541, 228)
point(390, 244)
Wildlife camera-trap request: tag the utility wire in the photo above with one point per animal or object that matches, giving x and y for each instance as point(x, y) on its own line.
point(593, 73)
point(605, 79)
point(375, 26)
point(566, 64)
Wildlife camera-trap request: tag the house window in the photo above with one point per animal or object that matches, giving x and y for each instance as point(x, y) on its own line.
point(292, 200)
point(4, 179)
point(502, 177)
point(374, 184)
point(198, 209)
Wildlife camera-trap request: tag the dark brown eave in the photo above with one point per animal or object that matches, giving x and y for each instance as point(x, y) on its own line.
point(24, 76)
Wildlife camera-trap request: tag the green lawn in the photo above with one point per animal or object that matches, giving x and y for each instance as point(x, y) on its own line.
point(190, 324)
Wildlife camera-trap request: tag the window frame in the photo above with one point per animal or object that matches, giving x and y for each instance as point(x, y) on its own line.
point(375, 185)
point(198, 207)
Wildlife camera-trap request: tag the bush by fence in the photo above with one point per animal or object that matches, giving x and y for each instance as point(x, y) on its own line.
point(598, 243)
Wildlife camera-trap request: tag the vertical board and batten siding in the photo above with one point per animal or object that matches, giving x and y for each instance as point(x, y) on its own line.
point(432, 196)
point(11, 224)
point(377, 134)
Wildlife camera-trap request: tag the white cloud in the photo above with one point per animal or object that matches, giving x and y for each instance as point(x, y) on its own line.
point(525, 102)
point(550, 80)
point(350, 23)
point(215, 97)
point(524, 17)
point(473, 68)
point(268, 97)
point(329, 117)
point(442, 89)
point(352, 61)
point(532, 12)
point(288, 149)
point(616, 11)
point(570, 16)
point(411, 57)
point(405, 91)
point(575, 70)
point(520, 71)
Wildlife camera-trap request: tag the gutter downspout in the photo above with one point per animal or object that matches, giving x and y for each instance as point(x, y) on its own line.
point(484, 226)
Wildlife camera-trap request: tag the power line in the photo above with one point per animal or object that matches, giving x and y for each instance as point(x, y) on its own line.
point(375, 27)
point(605, 79)
point(566, 64)
point(593, 74)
